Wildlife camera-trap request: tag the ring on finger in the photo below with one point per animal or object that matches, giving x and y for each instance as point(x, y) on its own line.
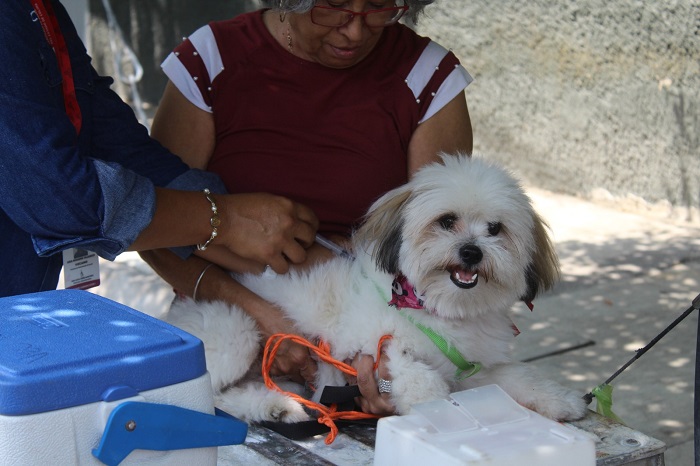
point(384, 385)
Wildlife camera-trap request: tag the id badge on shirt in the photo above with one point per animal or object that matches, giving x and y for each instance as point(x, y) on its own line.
point(81, 269)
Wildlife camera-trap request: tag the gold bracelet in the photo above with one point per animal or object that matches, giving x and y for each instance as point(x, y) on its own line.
point(199, 279)
point(215, 221)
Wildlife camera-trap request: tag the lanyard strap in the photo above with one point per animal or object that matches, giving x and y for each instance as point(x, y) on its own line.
point(49, 23)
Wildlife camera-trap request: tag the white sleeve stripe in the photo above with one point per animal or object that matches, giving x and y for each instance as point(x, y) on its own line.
point(425, 66)
point(453, 85)
point(180, 77)
point(204, 42)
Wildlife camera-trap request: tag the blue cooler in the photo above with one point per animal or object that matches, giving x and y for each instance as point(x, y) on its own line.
point(85, 380)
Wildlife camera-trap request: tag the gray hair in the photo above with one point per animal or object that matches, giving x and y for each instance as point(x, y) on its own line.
point(415, 7)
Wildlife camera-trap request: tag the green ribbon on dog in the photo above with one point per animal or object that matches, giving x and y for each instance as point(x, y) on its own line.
point(464, 368)
point(603, 396)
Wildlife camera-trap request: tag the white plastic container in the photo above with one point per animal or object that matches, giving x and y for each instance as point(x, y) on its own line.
point(87, 381)
point(482, 426)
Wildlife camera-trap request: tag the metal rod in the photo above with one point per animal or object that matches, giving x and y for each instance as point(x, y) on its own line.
point(560, 351)
point(638, 354)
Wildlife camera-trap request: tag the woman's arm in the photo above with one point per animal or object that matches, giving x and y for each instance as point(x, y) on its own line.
point(270, 230)
point(449, 130)
point(183, 128)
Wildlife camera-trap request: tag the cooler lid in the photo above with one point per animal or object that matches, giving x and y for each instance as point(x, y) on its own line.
point(65, 348)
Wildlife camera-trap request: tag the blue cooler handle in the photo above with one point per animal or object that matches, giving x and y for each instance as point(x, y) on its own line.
point(149, 426)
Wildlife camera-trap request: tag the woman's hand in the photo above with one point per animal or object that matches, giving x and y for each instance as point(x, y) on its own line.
point(371, 400)
point(267, 229)
point(292, 359)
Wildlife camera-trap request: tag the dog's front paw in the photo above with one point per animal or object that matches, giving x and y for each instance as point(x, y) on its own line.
point(569, 408)
point(529, 388)
point(417, 387)
point(560, 404)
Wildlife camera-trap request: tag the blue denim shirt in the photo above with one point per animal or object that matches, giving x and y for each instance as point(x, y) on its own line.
point(58, 190)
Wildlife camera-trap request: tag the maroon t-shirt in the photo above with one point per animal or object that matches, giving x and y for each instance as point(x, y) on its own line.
point(333, 139)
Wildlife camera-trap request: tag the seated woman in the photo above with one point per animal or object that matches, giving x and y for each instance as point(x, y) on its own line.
point(322, 103)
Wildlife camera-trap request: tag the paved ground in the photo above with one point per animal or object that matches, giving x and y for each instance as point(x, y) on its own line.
point(626, 276)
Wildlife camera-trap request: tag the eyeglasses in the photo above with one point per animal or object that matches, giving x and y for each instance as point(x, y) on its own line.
point(337, 17)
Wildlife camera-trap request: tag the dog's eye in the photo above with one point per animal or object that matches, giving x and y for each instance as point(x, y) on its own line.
point(447, 222)
point(494, 228)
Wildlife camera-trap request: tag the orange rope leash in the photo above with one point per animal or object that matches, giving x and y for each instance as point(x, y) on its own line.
point(322, 350)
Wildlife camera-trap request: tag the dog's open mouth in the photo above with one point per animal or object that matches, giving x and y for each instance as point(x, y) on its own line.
point(464, 278)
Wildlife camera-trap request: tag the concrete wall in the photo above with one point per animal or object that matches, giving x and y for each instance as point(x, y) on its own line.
point(585, 97)
point(594, 98)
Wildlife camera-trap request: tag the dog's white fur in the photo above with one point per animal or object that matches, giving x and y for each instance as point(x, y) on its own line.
point(433, 228)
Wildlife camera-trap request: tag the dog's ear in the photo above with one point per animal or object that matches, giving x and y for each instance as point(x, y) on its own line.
point(386, 256)
point(383, 225)
point(543, 271)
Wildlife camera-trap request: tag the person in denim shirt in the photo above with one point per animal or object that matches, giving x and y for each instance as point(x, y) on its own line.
point(105, 185)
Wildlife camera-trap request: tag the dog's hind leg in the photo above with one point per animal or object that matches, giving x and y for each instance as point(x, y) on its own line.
point(253, 402)
point(231, 338)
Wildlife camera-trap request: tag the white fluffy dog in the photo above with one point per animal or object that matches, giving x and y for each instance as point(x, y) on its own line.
point(465, 235)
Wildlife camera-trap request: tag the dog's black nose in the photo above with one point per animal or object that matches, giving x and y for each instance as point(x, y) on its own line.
point(470, 254)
